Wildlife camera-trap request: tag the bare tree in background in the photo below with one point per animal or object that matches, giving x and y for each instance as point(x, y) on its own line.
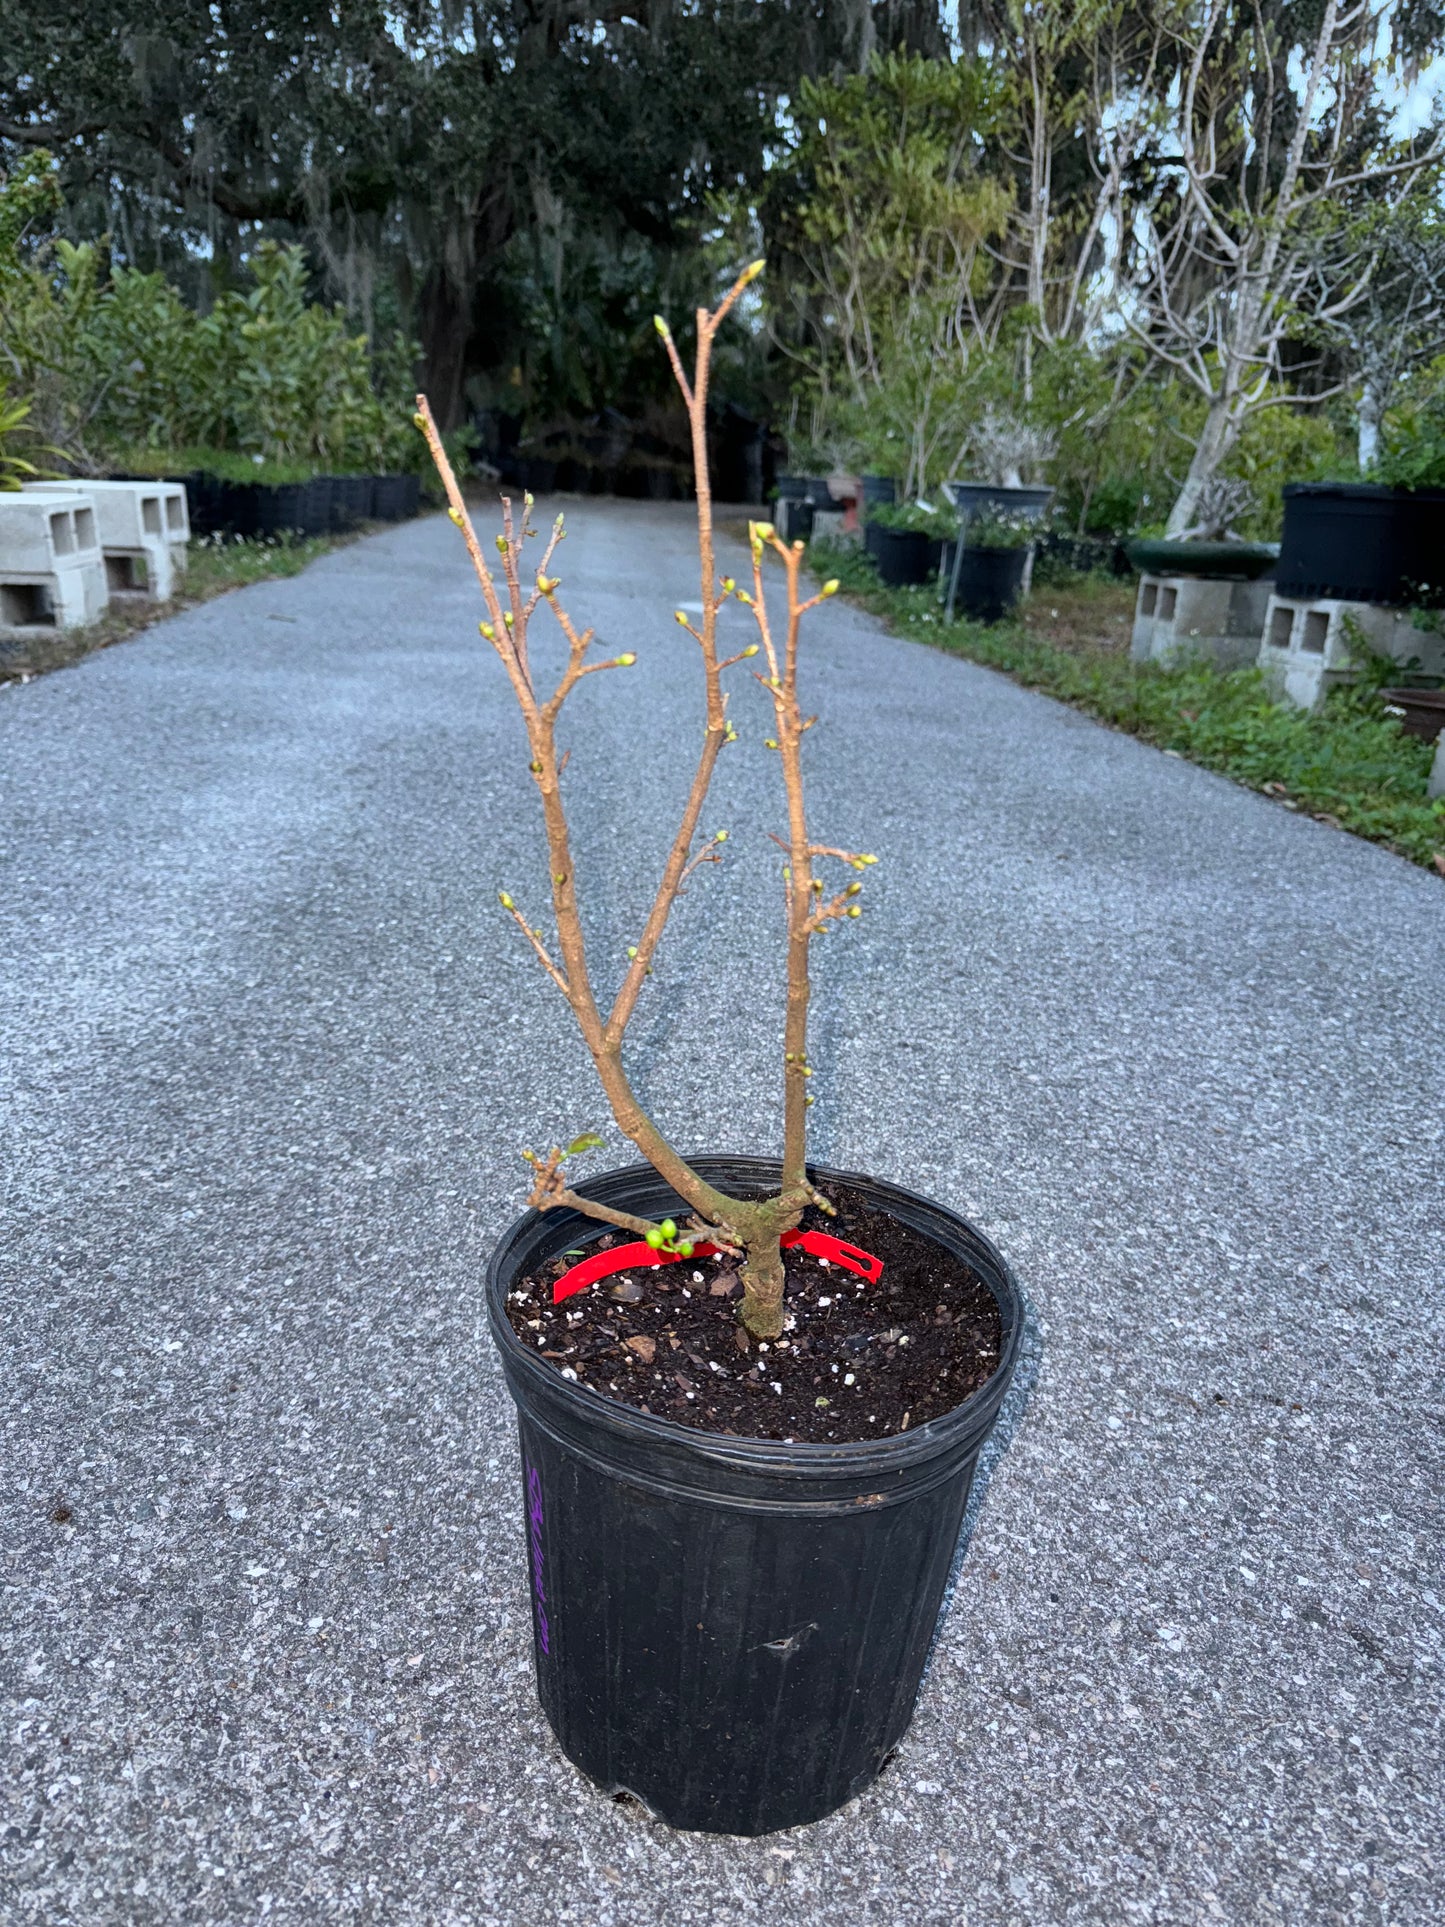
point(1224, 256)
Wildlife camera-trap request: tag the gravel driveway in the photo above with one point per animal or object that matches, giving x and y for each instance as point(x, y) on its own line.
point(271, 1050)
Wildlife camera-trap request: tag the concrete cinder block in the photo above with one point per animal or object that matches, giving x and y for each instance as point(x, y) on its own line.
point(144, 528)
point(52, 572)
point(1187, 618)
point(1306, 648)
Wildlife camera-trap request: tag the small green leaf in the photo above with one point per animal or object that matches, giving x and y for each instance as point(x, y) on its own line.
point(589, 1141)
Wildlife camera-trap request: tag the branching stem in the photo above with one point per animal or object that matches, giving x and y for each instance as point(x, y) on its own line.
point(750, 1226)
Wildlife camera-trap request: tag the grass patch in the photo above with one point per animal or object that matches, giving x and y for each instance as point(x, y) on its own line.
point(214, 565)
point(1349, 764)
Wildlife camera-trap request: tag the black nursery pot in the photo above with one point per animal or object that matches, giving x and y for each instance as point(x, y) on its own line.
point(733, 1630)
point(395, 498)
point(904, 556)
point(989, 581)
point(1362, 542)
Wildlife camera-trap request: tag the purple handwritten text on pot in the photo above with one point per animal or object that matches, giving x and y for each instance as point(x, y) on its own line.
point(534, 1534)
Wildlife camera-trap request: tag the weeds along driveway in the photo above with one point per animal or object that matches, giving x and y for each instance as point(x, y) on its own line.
point(271, 1053)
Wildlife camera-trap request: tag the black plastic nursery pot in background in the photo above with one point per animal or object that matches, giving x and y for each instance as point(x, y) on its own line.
point(395, 498)
point(733, 1630)
point(904, 557)
point(806, 488)
point(296, 508)
point(878, 489)
point(793, 516)
point(1363, 542)
point(989, 581)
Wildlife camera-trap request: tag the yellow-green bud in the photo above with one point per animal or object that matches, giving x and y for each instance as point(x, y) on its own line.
point(527, 499)
point(751, 650)
point(419, 421)
point(721, 837)
point(507, 618)
point(743, 596)
point(728, 585)
point(810, 1099)
point(679, 616)
point(668, 1228)
point(625, 662)
point(662, 327)
point(766, 531)
point(831, 588)
point(656, 1239)
point(505, 901)
point(753, 270)
point(488, 631)
point(685, 1249)
point(854, 888)
point(456, 516)
point(768, 743)
point(548, 584)
point(632, 950)
point(501, 545)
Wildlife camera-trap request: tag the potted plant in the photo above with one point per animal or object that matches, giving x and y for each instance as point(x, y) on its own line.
point(751, 1391)
point(990, 571)
point(905, 540)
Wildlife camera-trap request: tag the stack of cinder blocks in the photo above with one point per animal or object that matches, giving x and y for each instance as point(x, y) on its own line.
point(1310, 646)
point(52, 571)
point(1184, 618)
point(144, 530)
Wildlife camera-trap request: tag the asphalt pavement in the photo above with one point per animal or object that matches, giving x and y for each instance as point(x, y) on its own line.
point(270, 1053)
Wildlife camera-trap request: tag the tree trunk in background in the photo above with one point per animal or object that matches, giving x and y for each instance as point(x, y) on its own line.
point(1367, 422)
point(1216, 439)
point(444, 325)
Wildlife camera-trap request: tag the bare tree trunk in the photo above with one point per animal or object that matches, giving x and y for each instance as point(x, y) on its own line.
point(1216, 440)
point(1367, 424)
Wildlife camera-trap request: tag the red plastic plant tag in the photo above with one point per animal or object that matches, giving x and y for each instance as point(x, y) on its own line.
point(603, 1264)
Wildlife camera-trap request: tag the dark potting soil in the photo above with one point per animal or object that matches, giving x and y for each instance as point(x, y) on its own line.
point(856, 1361)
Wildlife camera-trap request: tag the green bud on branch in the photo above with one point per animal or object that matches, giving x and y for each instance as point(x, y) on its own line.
point(832, 587)
point(624, 662)
point(505, 901)
point(488, 631)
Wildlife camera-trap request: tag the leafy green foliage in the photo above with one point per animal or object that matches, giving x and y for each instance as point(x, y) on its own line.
point(125, 365)
point(1412, 448)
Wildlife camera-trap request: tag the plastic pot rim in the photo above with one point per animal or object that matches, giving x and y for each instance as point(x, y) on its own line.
point(896, 1453)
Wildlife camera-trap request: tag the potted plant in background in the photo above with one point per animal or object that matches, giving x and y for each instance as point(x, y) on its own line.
point(751, 1391)
point(990, 572)
point(905, 540)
